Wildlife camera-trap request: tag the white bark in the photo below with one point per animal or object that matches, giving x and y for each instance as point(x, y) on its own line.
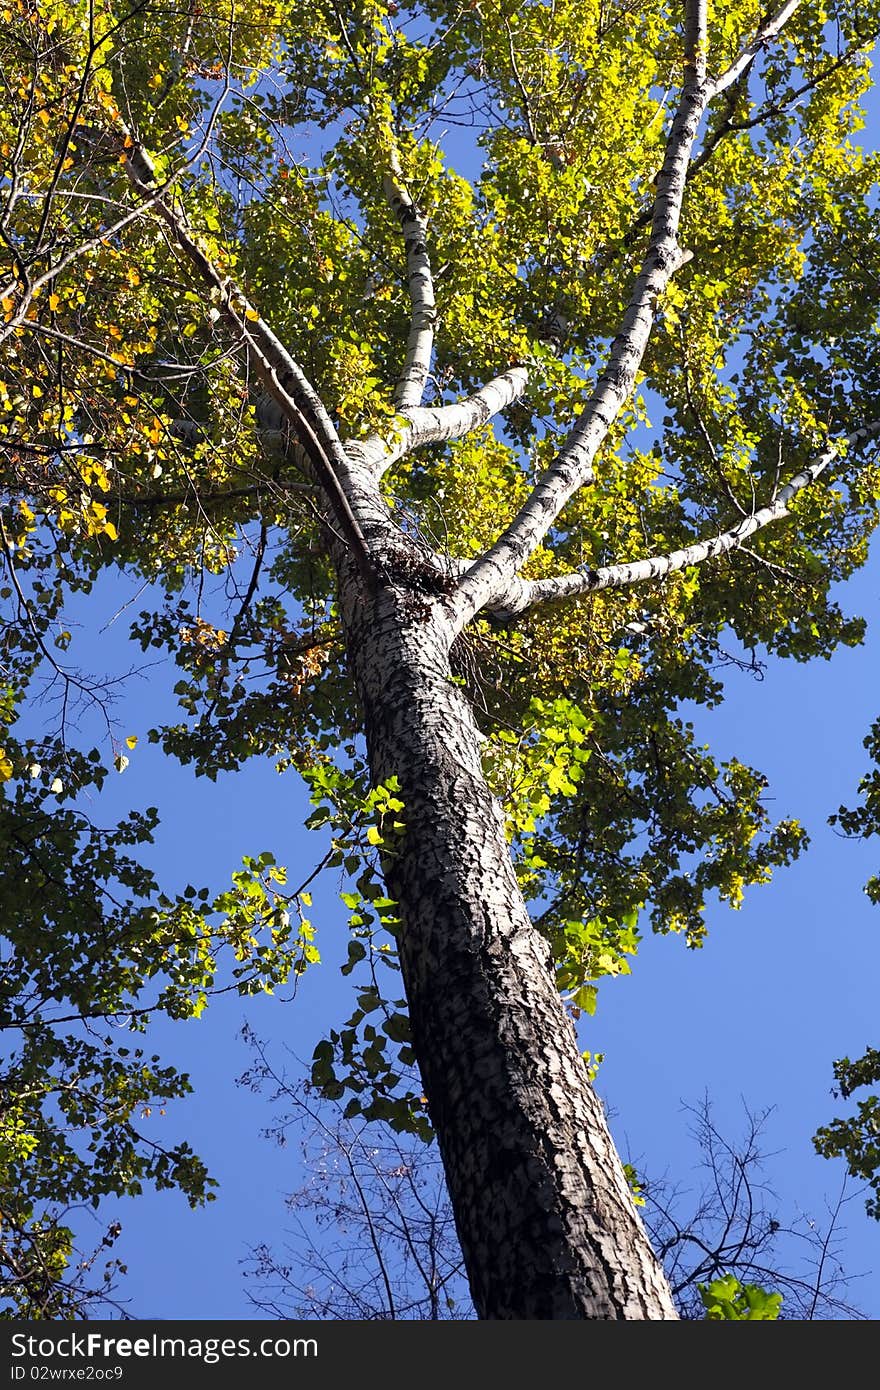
point(545, 1216)
point(573, 467)
point(421, 425)
point(420, 344)
point(766, 31)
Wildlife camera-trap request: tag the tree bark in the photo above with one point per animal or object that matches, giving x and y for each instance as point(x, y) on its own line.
point(544, 1214)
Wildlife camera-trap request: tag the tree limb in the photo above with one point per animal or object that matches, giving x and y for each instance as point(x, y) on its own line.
point(747, 55)
point(438, 424)
point(283, 378)
point(526, 594)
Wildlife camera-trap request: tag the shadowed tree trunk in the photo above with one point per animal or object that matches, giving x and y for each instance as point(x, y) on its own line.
point(545, 1218)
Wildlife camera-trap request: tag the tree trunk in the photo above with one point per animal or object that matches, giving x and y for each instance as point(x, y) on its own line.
point(544, 1214)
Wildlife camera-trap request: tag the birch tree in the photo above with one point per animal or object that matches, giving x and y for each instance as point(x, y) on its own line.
point(464, 384)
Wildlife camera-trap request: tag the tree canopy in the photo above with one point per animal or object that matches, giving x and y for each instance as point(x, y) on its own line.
point(574, 301)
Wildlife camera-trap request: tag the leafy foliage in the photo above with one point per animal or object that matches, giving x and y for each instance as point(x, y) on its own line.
point(863, 820)
point(727, 1300)
point(856, 1138)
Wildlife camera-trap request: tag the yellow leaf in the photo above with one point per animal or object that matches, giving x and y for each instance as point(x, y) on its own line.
point(43, 116)
point(5, 766)
point(251, 314)
point(131, 741)
point(111, 531)
point(54, 301)
point(94, 472)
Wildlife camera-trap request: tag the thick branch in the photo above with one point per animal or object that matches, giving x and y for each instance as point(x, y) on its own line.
point(747, 55)
point(438, 424)
point(574, 464)
point(526, 594)
point(420, 344)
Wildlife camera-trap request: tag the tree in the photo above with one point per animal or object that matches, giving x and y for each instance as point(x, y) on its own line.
point(371, 1234)
point(369, 413)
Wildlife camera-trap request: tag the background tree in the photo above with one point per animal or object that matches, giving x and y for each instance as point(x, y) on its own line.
point(370, 1235)
point(375, 433)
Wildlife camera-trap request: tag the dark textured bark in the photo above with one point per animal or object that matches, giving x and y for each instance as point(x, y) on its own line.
point(544, 1214)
